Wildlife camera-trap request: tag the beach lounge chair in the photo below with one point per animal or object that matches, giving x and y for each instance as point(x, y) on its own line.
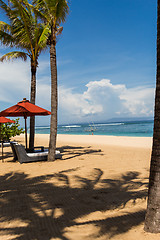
point(13, 150)
point(36, 149)
point(5, 144)
point(24, 157)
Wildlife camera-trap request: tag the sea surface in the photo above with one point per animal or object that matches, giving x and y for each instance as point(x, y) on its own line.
point(134, 129)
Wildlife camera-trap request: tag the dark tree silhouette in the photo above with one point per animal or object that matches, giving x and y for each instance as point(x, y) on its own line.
point(152, 220)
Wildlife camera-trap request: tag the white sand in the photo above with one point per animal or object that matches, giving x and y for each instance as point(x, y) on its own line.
point(97, 191)
point(140, 142)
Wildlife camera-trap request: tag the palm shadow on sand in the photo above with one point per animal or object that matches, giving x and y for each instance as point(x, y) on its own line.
point(6, 154)
point(72, 151)
point(35, 201)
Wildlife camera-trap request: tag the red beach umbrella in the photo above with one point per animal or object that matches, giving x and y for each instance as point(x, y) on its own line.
point(24, 109)
point(4, 120)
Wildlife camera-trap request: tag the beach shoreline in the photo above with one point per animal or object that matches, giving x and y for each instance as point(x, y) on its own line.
point(123, 141)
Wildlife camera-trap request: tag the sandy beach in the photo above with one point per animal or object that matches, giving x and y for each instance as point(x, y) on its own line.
point(98, 190)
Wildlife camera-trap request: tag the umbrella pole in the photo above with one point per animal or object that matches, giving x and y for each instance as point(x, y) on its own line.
point(2, 151)
point(26, 130)
point(1, 142)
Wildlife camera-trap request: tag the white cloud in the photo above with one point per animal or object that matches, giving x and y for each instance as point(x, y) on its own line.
point(103, 100)
point(139, 100)
point(14, 81)
point(100, 101)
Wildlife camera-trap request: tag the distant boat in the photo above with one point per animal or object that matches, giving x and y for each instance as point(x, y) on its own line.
point(92, 128)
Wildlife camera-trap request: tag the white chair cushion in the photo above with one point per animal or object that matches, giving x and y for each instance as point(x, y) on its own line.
point(40, 154)
point(5, 144)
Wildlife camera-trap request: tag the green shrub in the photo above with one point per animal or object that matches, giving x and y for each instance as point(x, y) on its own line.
point(9, 130)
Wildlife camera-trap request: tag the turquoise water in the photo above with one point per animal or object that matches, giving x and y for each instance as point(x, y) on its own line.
point(135, 129)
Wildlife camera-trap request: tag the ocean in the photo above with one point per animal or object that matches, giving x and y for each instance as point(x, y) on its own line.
point(132, 128)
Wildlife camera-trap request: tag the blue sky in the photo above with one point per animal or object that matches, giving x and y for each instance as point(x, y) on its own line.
point(106, 64)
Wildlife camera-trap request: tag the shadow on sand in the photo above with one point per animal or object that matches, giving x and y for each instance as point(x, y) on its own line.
point(68, 152)
point(35, 202)
point(72, 151)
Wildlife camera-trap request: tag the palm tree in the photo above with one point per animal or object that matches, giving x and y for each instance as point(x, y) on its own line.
point(26, 33)
point(53, 13)
point(152, 220)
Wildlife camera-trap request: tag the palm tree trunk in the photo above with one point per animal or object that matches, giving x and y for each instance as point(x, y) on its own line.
point(152, 220)
point(32, 100)
point(54, 101)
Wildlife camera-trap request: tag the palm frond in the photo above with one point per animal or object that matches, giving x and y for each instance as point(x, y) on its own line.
point(14, 55)
point(5, 8)
point(25, 16)
point(7, 39)
point(59, 31)
point(5, 26)
point(44, 36)
point(62, 11)
point(24, 31)
point(52, 10)
point(41, 8)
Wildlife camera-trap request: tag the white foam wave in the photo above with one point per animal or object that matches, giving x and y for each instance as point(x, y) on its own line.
point(71, 126)
point(108, 124)
point(41, 127)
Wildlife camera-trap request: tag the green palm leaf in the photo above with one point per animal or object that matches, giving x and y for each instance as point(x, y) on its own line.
point(24, 31)
point(44, 36)
point(14, 55)
point(5, 26)
point(53, 13)
point(27, 33)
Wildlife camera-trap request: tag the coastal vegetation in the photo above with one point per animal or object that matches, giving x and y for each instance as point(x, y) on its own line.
point(53, 13)
point(23, 31)
point(31, 28)
point(9, 130)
